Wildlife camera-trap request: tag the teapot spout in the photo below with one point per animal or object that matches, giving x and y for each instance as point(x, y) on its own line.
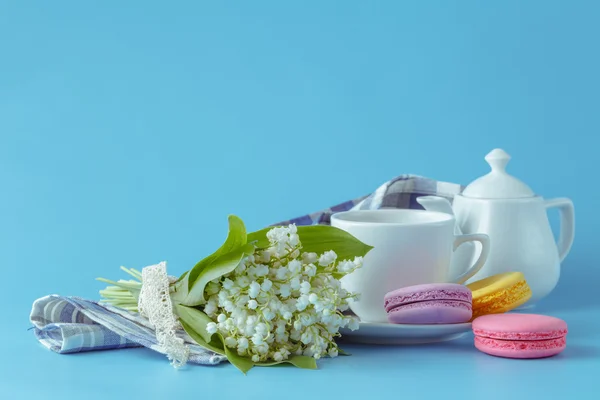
point(435, 203)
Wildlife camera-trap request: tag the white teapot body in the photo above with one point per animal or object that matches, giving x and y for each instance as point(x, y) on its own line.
point(521, 237)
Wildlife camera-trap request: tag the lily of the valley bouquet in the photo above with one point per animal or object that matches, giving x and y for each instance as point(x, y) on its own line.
point(263, 298)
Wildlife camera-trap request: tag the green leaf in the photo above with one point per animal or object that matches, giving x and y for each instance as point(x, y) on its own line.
point(319, 239)
point(222, 265)
point(179, 291)
point(242, 363)
point(236, 237)
point(343, 353)
point(214, 345)
point(302, 362)
point(183, 276)
point(196, 319)
point(259, 238)
point(297, 361)
point(217, 345)
point(337, 275)
point(194, 323)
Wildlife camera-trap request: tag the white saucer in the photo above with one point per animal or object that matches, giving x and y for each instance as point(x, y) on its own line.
point(382, 333)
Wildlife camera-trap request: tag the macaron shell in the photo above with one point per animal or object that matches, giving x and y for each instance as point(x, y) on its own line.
point(520, 348)
point(427, 292)
point(520, 335)
point(431, 312)
point(519, 326)
point(499, 293)
point(504, 302)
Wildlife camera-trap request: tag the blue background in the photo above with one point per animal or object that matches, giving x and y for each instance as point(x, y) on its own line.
point(130, 130)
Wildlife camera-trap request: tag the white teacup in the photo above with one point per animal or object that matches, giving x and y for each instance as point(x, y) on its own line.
point(410, 247)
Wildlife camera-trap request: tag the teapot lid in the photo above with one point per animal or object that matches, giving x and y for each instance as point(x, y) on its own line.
point(497, 184)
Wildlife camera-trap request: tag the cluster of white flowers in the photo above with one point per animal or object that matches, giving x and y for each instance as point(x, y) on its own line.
point(280, 301)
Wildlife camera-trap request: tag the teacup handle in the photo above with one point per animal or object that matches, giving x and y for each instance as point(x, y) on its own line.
point(485, 251)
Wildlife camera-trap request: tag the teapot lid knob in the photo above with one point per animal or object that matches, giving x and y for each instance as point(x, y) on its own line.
point(497, 184)
point(498, 160)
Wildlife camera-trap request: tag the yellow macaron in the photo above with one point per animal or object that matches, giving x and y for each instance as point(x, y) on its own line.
point(499, 293)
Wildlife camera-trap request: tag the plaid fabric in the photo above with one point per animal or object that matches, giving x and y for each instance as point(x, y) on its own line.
point(71, 324)
point(400, 192)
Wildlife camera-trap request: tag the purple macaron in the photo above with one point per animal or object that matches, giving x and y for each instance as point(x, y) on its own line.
point(436, 303)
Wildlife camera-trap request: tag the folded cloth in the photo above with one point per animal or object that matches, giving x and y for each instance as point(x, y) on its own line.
point(72, 324)
point(401, 192)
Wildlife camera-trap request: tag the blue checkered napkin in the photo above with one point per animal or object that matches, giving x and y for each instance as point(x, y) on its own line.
point(401, 192)
point(71, 324)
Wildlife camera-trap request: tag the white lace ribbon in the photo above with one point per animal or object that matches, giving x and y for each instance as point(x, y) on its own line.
point(155, 304)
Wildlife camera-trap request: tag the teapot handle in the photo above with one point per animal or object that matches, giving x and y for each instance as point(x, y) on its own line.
point(567, 224)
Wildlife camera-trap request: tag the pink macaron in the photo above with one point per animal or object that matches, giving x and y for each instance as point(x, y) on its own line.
point(436, 303)
point(520, 335)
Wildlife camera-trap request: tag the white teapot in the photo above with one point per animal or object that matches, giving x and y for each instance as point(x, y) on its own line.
point(516, 221)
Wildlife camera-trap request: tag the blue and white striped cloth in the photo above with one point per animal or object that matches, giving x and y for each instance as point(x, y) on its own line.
point(72, 324)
